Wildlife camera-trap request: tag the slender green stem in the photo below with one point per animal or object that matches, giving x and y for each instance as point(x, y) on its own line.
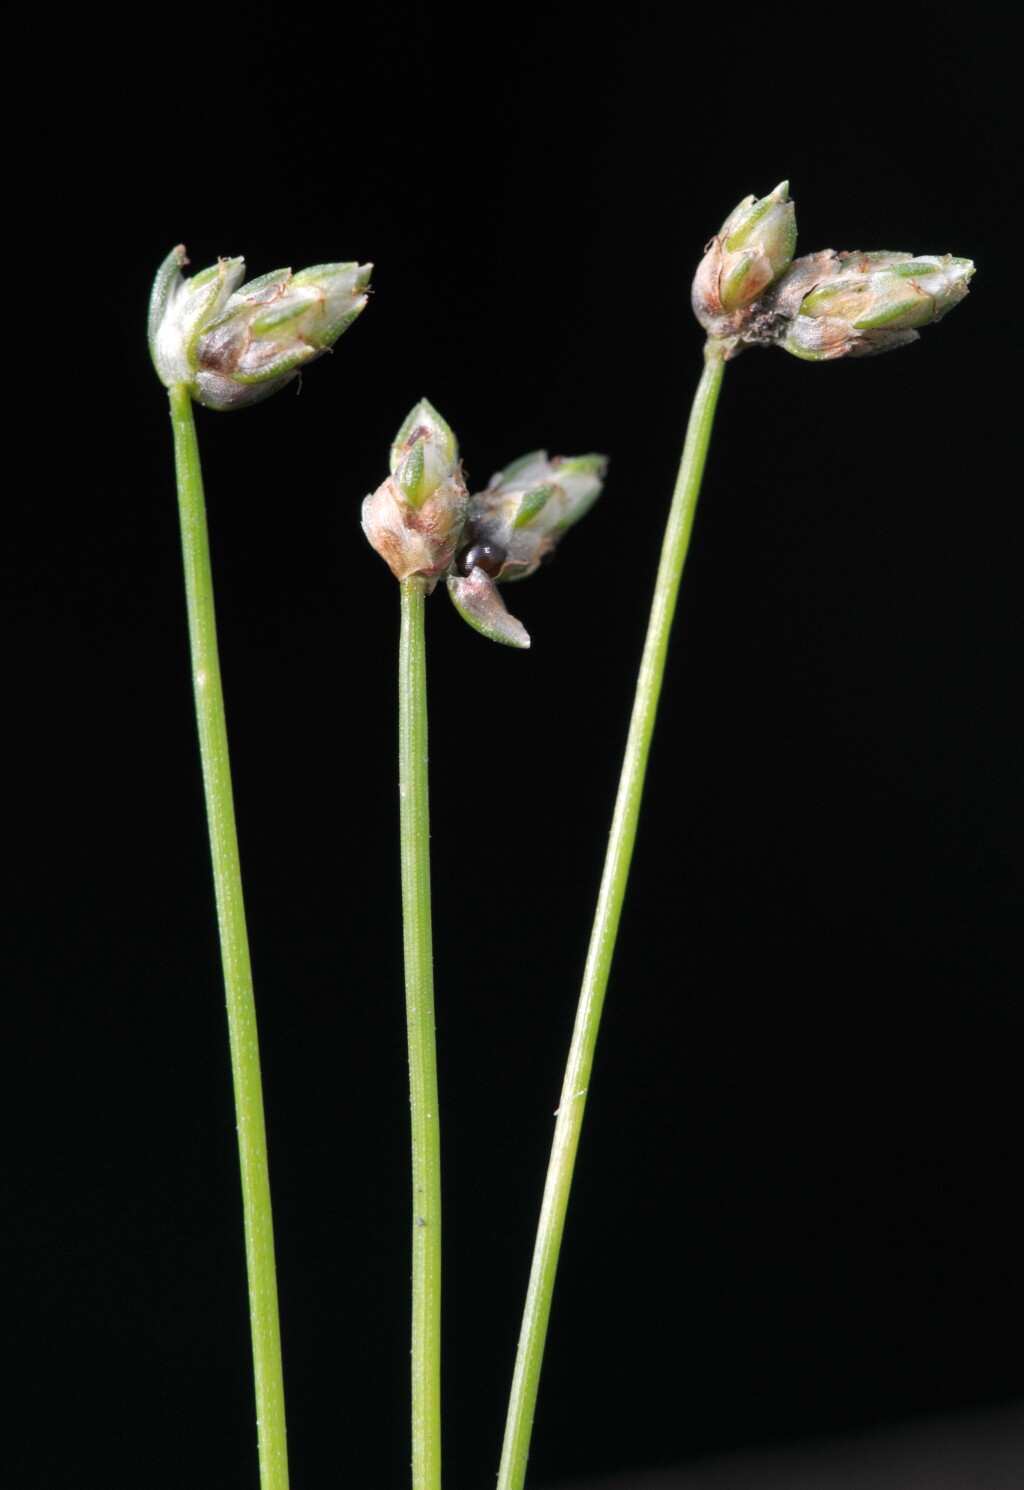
point(419, 1000)
point(234, 942)
point(529, 1357)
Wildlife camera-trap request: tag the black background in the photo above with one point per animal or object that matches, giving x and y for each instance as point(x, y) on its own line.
point(794, 1212)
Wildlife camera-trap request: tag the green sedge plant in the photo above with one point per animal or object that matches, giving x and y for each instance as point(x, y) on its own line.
point(226, 344)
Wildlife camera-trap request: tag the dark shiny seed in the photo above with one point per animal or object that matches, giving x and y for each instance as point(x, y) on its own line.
point(486, 556)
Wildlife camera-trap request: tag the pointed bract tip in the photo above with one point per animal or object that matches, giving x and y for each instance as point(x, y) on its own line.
point(424, 453)
point(753, 247)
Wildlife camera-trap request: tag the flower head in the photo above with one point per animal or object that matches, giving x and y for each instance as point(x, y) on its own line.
point(233, 344)
point(854, 304)
point(750, 291)
point(415, 518)
point(423, 523)
point(513, 527)
point(752, 248)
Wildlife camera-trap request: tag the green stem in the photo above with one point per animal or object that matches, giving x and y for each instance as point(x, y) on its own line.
point(419, 999)
point(234, 943)
point(529, 1357)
